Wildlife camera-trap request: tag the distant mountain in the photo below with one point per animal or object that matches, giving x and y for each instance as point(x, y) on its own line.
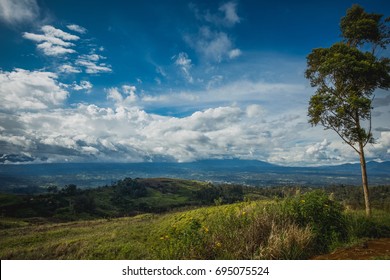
point(250, 172)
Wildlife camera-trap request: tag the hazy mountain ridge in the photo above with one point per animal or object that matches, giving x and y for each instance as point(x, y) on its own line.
point(250, 172)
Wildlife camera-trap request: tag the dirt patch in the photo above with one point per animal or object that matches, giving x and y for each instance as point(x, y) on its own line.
point(371, 249)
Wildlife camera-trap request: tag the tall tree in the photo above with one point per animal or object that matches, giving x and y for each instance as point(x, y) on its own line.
point(346, 76)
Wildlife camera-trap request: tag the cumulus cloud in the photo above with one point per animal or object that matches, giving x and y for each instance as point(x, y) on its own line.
point(321, 151)
point(77, 28)
point(30, 90)
point(125, 96)
point(53, 41)
point(16, 12)
point(83, 85)
point(381, 149)
point(128, 133)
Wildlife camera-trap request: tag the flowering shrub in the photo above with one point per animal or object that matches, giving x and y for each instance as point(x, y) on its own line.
point(322, 214)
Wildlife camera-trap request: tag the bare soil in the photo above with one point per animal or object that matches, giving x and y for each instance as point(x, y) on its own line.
point(368, 250)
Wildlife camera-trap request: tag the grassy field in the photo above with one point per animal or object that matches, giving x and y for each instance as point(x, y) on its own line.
point(297, 227)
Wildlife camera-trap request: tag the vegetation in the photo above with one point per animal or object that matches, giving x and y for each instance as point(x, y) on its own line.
point(273, 223)
point(346, 76)
point(127, 197)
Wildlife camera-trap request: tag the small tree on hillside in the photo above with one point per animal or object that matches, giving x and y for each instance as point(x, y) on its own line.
point(346, 76)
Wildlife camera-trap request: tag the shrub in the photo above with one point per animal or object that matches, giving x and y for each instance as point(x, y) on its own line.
point(252, 230)
point(360, 226)
point(323, 215)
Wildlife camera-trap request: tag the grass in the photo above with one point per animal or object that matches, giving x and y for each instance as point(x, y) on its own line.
point(202, 233)
point(121, 238)
point(294, 228)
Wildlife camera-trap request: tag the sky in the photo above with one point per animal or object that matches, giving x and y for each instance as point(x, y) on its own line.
point(175, 81)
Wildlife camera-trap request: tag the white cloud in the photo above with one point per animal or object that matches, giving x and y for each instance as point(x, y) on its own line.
point(91, 64)
point(160, 70)
point(229, 9)
point(92, 57)
point(20, 11)
point(214, 46)
point(255, 111)
point(54, 50)
point(127, 133)
point(234, 53)
point(77, 28)
point(273, 95)
point(184, 63)
point(226, 15)
point(53, 41)
point(51, 31)
point(212, 42)
point(322, 152)
point(214, 81)
point(30, 90)
point(66, 68)
point(114, 94)
point(123, 97)
point(84, 85)
point(381, 149)
point(56, 42)
point(47, 39)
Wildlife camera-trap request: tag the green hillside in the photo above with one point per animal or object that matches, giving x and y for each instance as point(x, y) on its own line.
point(297, 227)
point(179, 219)
point(127, 197)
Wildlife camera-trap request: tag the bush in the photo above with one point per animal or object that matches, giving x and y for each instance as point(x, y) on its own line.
point(360, 226)
point(251, 230)
point(323, 215)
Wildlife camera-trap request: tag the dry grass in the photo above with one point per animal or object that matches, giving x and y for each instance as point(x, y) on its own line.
point(288, 242)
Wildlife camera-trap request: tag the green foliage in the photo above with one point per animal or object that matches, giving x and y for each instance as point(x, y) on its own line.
point(359, 27)
point(293, 228)
point(238, 231)
point(346, 77)
point(359, 226)
point(70, 190)
point(127, 197)
point(323, 215)
point(222, 193)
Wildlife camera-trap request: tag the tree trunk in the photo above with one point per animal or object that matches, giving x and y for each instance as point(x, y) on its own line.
point(364, 180)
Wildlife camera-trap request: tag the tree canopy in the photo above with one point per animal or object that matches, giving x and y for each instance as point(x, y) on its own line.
point(346, 76)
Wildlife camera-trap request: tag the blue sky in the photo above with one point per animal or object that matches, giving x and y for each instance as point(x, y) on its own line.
point(134, 81)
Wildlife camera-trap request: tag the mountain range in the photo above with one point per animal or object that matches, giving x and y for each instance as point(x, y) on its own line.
point(247, 172)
